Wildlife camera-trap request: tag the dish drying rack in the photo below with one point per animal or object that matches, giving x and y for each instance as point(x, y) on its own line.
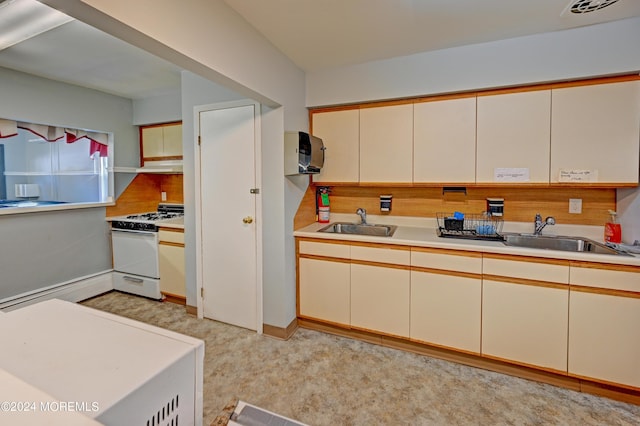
point(482, 226)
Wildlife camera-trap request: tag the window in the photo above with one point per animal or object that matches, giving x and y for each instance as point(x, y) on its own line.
point(44, 166)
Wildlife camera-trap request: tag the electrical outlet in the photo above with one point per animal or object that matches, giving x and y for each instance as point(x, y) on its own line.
point(575, 205)
point(163, 196)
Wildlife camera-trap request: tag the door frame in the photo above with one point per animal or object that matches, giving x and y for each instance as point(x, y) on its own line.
point(258, 204)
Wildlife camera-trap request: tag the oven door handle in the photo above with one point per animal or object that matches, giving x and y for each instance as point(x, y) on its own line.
point(133, 231)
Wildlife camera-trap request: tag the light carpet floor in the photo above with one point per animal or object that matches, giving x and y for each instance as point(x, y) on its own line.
point(321, 379)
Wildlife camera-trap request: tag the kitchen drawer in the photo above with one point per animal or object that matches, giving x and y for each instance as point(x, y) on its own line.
point(622, 278)
point(395, 256)
point(171, 235)
point(341, 251)
point(555, 271)
point(447, 260)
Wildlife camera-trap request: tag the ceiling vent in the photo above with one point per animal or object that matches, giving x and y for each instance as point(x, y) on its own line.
point(586, 6)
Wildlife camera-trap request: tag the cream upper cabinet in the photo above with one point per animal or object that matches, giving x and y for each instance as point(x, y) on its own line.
point(162, 141)
point(444, 141)
point(513, 133)
point(340, 132)
point(386, 144)
point(596, 129)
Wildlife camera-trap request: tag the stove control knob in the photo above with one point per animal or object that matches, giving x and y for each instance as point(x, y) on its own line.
point(247, 220)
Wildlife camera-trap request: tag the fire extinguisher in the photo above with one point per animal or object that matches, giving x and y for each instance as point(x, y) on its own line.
point(322, 204)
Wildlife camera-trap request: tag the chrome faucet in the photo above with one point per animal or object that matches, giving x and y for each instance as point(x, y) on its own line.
point(363, 216)
point(539, 224)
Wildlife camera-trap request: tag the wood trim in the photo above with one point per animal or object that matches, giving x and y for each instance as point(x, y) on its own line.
point(385, 246)
point(448, 348)
point(325, 258)
point(483, 92)
point(168, 229)
point(604, 266)
point(168, 123)
point(446, 272)
point(524, 364)
point(302, 317)
point(322, 240)
point(169, 243)
point(605, 291)
point(609, 390)
point(565, 380)
point(522, 281)
point(382, 334)
point(168, 157)
point(279, 332)
point(525, 258)
point(174, 298)
point(192, 310)
point(448, 252)
point(380, 264)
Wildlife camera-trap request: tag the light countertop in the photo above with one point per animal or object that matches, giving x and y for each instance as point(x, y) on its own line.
point(175, 223)
point(423, 233)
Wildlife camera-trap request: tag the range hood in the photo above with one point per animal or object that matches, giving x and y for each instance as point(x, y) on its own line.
point(163, 166)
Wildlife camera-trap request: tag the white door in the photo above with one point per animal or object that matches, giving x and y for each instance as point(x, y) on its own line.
point(228, 255)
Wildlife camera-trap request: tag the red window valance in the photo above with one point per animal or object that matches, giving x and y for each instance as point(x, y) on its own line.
point(98, 141)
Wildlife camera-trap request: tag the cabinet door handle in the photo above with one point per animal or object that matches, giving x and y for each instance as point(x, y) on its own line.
point(247, 220)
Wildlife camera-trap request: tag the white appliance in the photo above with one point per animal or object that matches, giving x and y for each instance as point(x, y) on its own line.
point(111, 369)
point(134, 240)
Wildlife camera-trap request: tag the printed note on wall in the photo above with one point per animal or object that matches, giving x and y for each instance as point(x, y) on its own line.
point(578, 175)
point(511, 174)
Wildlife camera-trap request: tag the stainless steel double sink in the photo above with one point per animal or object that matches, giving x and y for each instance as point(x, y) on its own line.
point(545, 242)
point(562, 243)
point(360, 229)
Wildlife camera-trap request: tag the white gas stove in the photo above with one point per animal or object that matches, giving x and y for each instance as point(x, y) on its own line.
point(135, 250)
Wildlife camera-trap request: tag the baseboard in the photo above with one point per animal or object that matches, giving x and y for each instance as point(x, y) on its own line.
point(71, 291)
point(174, 298)
point(279, 332)
point(192, 310)
point(611, 391)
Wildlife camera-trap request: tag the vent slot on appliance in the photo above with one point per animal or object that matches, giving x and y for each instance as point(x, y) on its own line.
point(167, 415)
point(586, 6)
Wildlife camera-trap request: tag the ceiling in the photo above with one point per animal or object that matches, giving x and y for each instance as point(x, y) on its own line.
point(314, 34)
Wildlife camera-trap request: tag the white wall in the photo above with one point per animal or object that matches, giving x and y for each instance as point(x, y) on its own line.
point(157, 109)
point(47, 248)
point(211, 40)
point(598, 50)
point(603, 49)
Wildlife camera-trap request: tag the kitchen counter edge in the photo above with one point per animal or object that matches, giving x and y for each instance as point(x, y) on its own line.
point(427, 237)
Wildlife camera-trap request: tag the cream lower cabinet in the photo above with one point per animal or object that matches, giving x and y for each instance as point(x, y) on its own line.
point(380, 299)
point(324, 281)
point(525, 309)
point(604, 318)
point(324, 291)
point(171, 258)
point(446, 298)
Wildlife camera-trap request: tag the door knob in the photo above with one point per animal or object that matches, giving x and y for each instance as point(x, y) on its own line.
point(247, 219)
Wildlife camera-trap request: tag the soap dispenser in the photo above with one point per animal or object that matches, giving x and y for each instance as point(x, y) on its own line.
point(612, 230)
